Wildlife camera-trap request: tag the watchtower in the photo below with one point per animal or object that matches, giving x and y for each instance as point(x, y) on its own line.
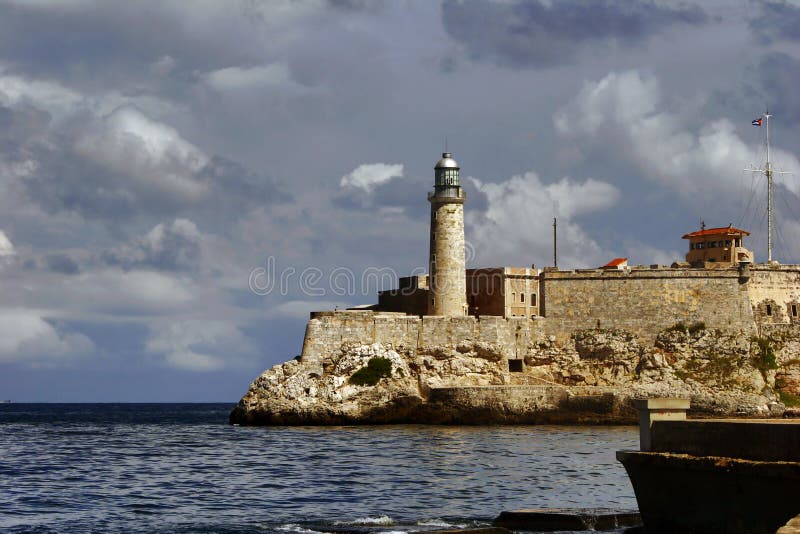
point(448, 285)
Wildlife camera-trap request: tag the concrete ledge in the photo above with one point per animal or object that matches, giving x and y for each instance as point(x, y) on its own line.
point(765, 440)
point(479, 530)
point(559, 519)
point(682, 493)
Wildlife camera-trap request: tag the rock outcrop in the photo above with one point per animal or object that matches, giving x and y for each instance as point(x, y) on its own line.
point(592, 377)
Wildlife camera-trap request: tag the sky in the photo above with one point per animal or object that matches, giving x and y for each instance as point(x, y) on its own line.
point(182, 182)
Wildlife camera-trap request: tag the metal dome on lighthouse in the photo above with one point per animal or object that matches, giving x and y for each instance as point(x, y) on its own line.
point(447, 174)
point(448, 286)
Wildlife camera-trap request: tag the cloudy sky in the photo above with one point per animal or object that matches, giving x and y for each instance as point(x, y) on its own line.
point(181, 182)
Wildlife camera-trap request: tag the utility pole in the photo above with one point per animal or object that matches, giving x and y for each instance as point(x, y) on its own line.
point(555, 242)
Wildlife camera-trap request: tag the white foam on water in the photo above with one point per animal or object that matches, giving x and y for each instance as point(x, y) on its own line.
point(294, 527)
point(382, 520)
point(441, 523)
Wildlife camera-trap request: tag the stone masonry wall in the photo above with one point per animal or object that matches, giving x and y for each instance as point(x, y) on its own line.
point(644, 301)
point(448, 284)
point(773, 290)
point(641, 301)
point(327, 331)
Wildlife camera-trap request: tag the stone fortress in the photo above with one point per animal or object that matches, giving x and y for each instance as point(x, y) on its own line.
point(718, 285)
point(517, 344)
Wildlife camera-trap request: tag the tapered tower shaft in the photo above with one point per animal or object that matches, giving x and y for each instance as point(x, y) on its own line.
point(448, 283)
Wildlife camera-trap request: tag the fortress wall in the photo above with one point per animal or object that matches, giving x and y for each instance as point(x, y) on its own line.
point(326, 331)
point(644, 301)
point(397, 331)
point(641, 301)
point(776, 286)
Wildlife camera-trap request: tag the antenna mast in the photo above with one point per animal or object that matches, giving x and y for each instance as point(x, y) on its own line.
point(769, 173)
point(770, 206)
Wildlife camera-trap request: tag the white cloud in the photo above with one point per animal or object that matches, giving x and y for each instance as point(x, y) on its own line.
point(127, 293)
point(6, 247)
point(25, 336)
point(200, 345)
point(168, 246)
point(50, 96)
point(514, 230)
point(624, 113)
point(148, 152)
point(274, 75)
point(369, 175)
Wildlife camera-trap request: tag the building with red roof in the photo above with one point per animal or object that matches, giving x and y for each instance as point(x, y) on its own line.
point(616, 263)
point(717, 247)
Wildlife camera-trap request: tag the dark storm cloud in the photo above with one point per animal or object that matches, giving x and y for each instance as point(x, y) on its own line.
point(65, 182)
point(356, 5)
point(61, 263)
point(535, 34)
point(168, 247)
point(777, 75)
point(19, 124)
point(777, 20)
point(238, 187)
point(92, 167)
point(769, 82)
point(112, 41)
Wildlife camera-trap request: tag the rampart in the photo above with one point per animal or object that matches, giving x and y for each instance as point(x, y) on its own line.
point(644, 301)
point(327, 331)
point(641, 301)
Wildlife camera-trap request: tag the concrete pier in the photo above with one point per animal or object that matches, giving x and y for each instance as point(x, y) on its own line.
point(731, 476)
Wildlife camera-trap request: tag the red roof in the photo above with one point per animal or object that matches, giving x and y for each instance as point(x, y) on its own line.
point(616, 262)
point(725, 230)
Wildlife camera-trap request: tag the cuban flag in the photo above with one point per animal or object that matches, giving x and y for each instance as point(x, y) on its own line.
point(757, 122)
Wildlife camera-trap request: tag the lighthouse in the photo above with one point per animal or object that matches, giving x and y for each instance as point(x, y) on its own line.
point(448, 284)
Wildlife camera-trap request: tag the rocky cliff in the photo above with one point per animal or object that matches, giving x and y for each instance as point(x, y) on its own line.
point(591, 377)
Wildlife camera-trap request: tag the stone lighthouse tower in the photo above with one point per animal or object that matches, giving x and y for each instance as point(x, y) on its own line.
point(448, 284)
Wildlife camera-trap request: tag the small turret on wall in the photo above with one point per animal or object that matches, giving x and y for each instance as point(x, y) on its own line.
point(448, 286)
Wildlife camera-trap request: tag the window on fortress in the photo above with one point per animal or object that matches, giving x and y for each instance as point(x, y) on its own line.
point(533, 299)
point(522, 297)
point(794, 310)
point(513, 297)
point(515, 366)
point(769, 309)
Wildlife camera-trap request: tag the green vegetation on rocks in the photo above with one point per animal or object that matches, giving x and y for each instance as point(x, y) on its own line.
point(764, 359)
point(789, 399)
point(370, 375)
point(692, 328)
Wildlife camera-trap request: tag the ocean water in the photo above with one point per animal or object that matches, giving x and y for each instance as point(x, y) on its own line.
point(182, 468)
